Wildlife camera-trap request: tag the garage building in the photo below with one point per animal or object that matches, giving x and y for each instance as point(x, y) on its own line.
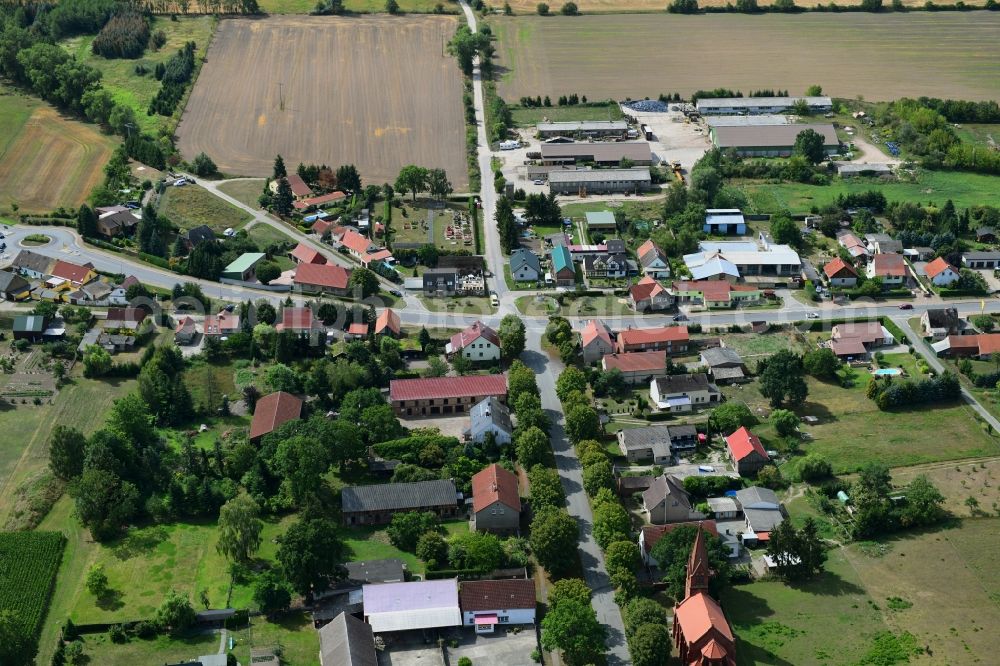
point(771, 140)
point(603, 154)
point(594, 181)
point(741, 106)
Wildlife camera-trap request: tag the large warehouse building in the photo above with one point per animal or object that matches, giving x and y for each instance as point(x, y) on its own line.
point(604, 154)
point(594, 181)
point(770, 140)
point(737, 106)
point(594, 128)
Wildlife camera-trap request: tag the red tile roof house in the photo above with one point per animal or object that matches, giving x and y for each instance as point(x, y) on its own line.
point(955, 346)
point(746, 452)
point(637, 367)
point(323, 278)
point(871, 333)
point(273, 411)
point(496, 505)
point(648, 294)
point(840, 273)
point(387, 323)
point(300, 320)
point(322, 199)
point(299, 187)
point(671, 339)
point(596, 340)
point(487, 603)
point(73, 273)
point(941, 273)
point(653, 260)
point(436, 396)
point(890, 268)
point(320, 227)
point(356, 331)
point(303, 254)
point(478, 343)
point(220, 325)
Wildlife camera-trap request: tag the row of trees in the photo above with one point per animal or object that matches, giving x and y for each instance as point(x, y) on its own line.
point(889, 393)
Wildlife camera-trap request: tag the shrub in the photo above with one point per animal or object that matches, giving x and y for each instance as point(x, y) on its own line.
point(543, 9)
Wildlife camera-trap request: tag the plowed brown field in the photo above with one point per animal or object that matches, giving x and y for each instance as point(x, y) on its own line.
point(376, 92)
point(880, 56)
point(47, 161)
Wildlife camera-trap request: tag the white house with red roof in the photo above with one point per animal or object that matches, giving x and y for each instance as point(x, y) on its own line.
point(840, 273)
point(940, 272)
point(478, 342)
point(671, 339)
point(75, 274)
point(653, 260)
point(488, 603)
point(746, 452)
point(323, 278)
point(596, 340)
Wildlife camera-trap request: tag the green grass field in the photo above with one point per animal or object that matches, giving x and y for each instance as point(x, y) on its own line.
point(777, 623)
point(935, 187)
point(852, 431)
point(135, 90)
point(191, 206)
point(24, 457)
point(529, 116)
point(161, 650)
point(245, 191)
point(987, 136)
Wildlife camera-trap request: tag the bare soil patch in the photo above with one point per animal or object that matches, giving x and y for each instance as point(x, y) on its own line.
point(645, 55)
point(378, 92)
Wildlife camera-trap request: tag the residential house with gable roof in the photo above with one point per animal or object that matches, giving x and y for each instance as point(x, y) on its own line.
point(670, 339)
point(840, 273)
point(487, 604)
point(273, 411)
point(525, 266)
point(496, 505)
point(746, 452)
point(490, 416)
point(653, 260)
point(563, 272)
point(941, 273)
point(666, 501)
point(889, 267)
point(387, 323)
point(596, 340)
point(478, 343)
point(649, 295)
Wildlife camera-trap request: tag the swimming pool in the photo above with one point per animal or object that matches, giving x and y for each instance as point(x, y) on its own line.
point(892, 372)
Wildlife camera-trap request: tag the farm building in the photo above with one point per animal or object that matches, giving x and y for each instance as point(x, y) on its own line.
point(982, 259)
point(434, 396)
point(849, 169)
point(735, 121)
point(637, 367)
point(653, 260)
point(761, 508)
point(770, 140)
point(376, 504)
point(601, 154)
point(742, 106)
point(590, 128)
point(596, 181)
point(724, 365)
point(29, 327)
point(273, 411)
point(496, 505)
point(941, 273)
point(487, 603)
point(603, 220)
point(477, 342)
point(596, 340)
point(13, 287)
point(980, 346)
point(683, 393)
point(749, 258)
point(490, 416)
point(746, 452)
point(409, 606)
point(671, 339)
point(243, 268)
point(525, 266)
point(563, 272)
point(724, 221)
point(347, 641)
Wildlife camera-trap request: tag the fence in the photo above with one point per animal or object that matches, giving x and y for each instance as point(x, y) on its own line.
point(256, 285)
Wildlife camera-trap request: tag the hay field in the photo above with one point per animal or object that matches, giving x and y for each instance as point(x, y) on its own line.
point(376, 92)
point(46, 160)
point(884, 56)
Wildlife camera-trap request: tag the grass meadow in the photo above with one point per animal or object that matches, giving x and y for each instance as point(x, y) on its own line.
point(192, 206)
point(245, 191)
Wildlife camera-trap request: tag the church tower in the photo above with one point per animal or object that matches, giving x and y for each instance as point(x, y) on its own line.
point(698, 571)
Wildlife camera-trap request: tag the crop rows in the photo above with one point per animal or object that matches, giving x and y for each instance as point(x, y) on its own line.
point(29, 562)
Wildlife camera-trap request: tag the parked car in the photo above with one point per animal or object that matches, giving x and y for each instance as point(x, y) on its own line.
point(906, 306)
point(396, 292)
point(494, 300)
point(680, 316)
point(812, 315)
point(539, 181)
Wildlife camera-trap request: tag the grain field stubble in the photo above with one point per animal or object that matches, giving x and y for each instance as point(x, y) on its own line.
point(376, 92)
point(880, 56)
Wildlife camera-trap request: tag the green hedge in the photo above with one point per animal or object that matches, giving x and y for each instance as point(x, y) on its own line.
point(956, 293)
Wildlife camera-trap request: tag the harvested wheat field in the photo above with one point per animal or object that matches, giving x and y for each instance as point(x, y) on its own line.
point(46, 161)
point(623, 6)
point(376, 92)
point(880, 56)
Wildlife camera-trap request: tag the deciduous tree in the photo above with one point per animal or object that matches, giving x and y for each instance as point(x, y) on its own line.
point(554, 536)
point(239, 529)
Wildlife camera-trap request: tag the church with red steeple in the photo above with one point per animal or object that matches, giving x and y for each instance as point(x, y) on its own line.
point(701, 632)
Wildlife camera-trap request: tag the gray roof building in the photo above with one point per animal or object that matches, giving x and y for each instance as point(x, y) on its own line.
point(488, 414)
point(12, 284)
point(756, 497)
point(636, 175)
point(611, 152)
point(762, 520)
point(663, 486)
point(199, 235)
point(717, 357)
point(660, 438)
point(347, 641)
point(521, 258)
point(770, 136)
point(398, 496)
point(391, 570)
point(684, 383)
point(32, 262)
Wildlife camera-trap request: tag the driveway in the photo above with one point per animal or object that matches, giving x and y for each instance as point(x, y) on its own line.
point(410, 653)
point(503, 648)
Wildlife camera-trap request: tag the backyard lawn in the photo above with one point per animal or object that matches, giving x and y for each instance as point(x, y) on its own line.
point(426, 221)
point(471, 305)
point(192, 206)
point(160, 650)
point(852, 431)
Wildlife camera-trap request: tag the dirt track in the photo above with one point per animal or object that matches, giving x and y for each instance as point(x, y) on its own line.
point(376, 92)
